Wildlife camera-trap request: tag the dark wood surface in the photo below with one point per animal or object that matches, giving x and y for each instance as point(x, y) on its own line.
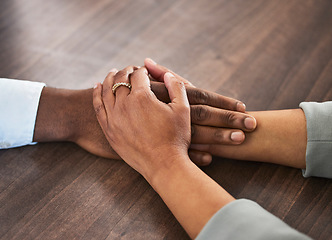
point(270, 54)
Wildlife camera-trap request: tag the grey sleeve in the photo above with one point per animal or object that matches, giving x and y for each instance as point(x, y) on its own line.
point(319, 139)
point(245, 219)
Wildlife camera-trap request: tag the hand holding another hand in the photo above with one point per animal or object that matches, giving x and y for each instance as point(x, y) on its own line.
point(138, 126)
point(214, 118)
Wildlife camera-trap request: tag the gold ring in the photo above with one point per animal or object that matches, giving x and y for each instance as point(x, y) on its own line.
point(115, 86)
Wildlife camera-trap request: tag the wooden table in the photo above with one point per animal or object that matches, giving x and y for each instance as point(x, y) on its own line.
point(270, 54)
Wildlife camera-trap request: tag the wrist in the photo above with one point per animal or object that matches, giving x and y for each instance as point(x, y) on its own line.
point(54, 120)
point(80, 116)
point(168, 166)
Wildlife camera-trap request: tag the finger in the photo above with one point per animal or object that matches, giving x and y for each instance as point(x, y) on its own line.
point(212, 135)
point(176, 90)
point(157, 72)
point(123, 77)
point(214, 149)
point(216, 117)
point(107, 94)
point(98, 105)
point(201, 147)
point(199, 96)
point(200, 158)
point(160, 91)
point(140, 80)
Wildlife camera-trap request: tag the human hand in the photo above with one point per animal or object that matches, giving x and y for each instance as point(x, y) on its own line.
point(138, 126)
point(207, 108)
point(87, 133)
point(68, 115)
point(216, 119)
point(83, 128)
point(153, 138)
point(281, 139)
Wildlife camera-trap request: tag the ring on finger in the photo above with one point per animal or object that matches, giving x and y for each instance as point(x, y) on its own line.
point(115, 86)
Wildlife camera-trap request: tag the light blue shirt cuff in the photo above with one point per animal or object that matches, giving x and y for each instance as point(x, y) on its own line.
point(245, 219)
point(319, 139)
point(19, 102)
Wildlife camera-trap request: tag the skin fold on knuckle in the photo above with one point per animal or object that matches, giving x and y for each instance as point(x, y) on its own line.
point(123, 73)
point(219, 136)
point(98, 109)
point(200, 96)
point(229, 118)
point(106, 90)
point(199, 113)
point(134, 75)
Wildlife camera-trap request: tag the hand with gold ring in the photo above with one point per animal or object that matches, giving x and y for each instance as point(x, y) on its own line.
point(137, 125)
point(153, 138)
point(215, 118)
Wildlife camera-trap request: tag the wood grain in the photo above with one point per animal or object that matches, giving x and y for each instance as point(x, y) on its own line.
point(270, 54)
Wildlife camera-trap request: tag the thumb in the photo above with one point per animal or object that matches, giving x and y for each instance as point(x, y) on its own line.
point(176, 90)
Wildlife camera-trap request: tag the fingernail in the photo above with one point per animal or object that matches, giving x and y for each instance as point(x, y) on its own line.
point(95, 86)
point(241, 107)
point(151, 61)
point(169, 75)
point(237, 136)
point(206, 158)
point(113, 70)
point(250, 123)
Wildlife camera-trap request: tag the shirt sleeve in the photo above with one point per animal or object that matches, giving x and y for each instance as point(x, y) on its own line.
point(319, 139)
point(245, 219)
point(19, 102)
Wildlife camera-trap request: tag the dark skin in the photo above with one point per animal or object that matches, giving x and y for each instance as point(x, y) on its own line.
point(68, 115)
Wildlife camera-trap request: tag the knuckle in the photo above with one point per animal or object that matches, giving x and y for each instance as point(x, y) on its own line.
point(106, 91)
point(141, 95)
point(122, 73)
point(201, 96)
point(142, 69)
point(199, 113)
point(184, 108)
point(122, 108)
point(136, 73)
point(181, 84)
point(219, 135)
point(98, 109)
point(229, 117)
point(129, 68)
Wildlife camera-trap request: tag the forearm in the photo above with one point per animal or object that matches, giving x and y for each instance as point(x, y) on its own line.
point(191, 195)
point(280, 137)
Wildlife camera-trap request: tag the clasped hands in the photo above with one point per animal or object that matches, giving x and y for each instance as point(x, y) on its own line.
point(165, 115)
